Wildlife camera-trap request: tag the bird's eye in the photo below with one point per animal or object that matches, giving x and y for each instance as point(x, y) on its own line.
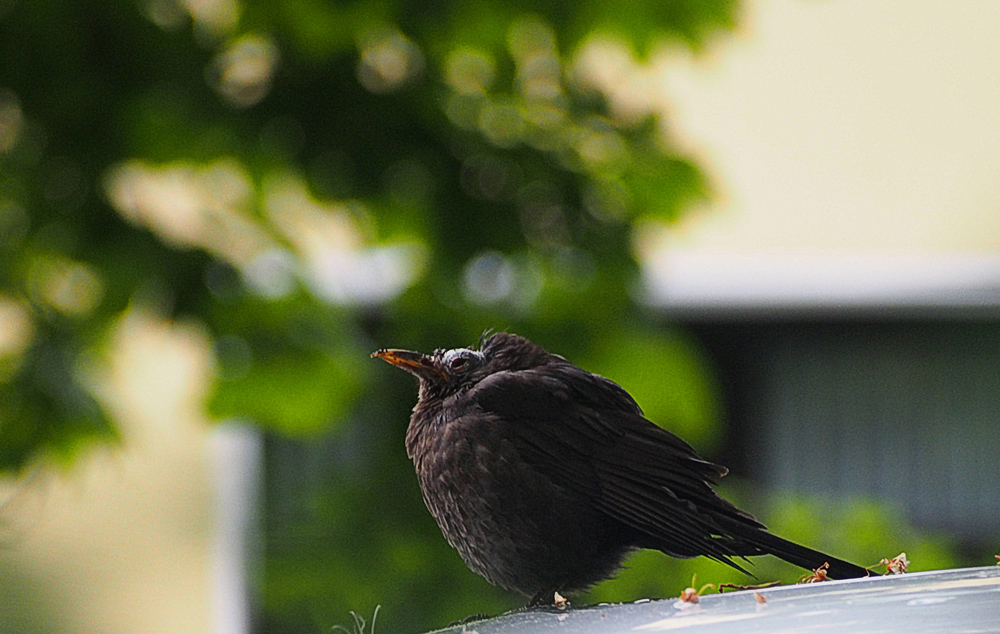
point(458, 363)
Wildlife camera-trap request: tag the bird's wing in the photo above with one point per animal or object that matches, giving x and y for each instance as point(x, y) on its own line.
point(587, 435)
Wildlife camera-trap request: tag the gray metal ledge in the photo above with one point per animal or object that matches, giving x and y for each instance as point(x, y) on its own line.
point(946, 602)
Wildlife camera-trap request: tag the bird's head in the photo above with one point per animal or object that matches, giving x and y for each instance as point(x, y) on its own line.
point(446, 372)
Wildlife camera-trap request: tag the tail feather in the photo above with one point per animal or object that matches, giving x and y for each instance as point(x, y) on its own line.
point(802, 556)
point(756, 540)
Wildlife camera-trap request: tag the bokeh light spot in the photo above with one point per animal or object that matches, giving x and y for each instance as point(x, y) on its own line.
point(529, 36)
point(271, 273)
point(488, 278)
point(17, 330)
point(389, 60)
point(242, 73)
point(187, 206)
point(540, 76)
point(543, 215)
point(327, 238)
point(213, 17)
point(73, 288)
point(469, 71)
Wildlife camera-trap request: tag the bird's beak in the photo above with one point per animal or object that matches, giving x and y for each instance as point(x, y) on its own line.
point(417, 364)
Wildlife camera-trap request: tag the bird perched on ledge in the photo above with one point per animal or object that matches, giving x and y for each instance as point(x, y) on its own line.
point(544, 476)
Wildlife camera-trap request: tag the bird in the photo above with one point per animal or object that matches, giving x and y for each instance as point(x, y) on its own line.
point(544, 476)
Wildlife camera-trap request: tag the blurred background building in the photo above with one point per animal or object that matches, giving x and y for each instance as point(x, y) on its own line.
point(848, 282)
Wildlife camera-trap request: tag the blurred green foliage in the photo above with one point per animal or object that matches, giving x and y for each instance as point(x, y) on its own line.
point(312, 180)
point(281, 171)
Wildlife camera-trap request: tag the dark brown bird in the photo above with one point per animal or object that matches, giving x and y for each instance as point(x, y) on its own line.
point(544, 476)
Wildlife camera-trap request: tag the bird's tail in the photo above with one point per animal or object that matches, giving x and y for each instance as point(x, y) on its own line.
point(802, 556)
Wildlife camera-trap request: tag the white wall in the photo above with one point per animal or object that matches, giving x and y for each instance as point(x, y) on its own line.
point(843, 129)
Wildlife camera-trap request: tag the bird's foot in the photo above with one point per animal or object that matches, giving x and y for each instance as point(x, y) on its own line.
point(548, 598)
